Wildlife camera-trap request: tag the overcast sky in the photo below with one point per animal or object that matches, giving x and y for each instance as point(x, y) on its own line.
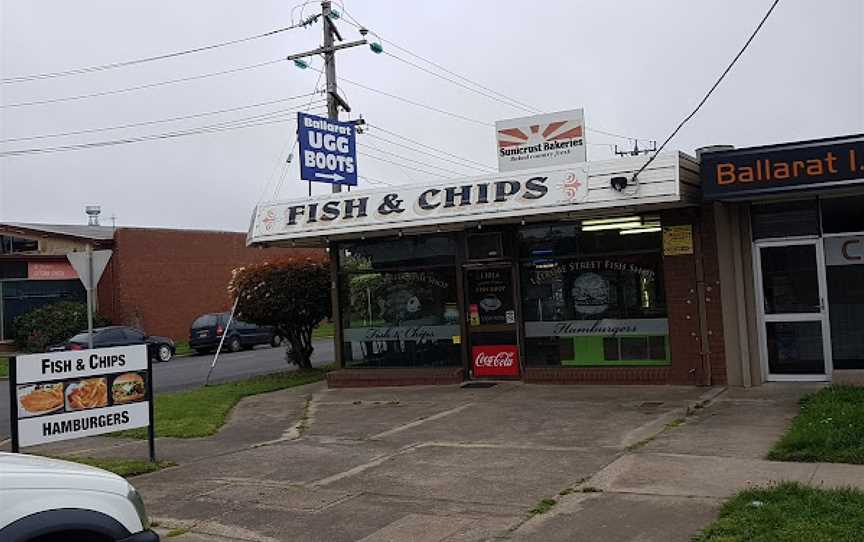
point(636, 67)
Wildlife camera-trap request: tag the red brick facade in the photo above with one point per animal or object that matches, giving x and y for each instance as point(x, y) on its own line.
point(160, 280)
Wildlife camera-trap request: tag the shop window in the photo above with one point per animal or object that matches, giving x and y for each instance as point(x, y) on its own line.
point(567, 239)
point(400, 319)
point(384, 254)
point(843, 214)
point(601, 303)
point(13, 270)
point(846, 307)
point(485, 246)
point(17, 245)
point(785, 219)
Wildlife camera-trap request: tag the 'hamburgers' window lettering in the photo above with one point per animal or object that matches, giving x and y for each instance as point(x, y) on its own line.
point(593, 298)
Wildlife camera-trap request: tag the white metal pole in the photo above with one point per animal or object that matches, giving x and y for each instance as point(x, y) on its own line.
point(222, 340)
point(90, 297)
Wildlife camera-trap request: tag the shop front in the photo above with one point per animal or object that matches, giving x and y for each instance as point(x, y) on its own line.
point(790, 226)
point(549, 275)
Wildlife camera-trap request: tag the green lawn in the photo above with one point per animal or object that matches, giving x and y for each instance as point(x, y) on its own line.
point(4, 367)
point(123, 467)
point(829, 428)
point(323, 331)
point(201, 412)
point(183, 349)
point(789, 512)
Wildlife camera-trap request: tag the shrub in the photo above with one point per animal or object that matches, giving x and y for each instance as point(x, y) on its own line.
point(40, 328)
point(291, 295)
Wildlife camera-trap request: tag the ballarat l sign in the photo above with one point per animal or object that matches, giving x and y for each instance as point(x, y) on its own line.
point(542, 140)
point(328, 150)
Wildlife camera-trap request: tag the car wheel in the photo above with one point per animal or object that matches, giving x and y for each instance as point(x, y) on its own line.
point(276, 341)
point(234, 344)
point(164, 353)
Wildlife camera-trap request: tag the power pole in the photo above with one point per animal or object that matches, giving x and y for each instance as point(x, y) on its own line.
point(330, 67)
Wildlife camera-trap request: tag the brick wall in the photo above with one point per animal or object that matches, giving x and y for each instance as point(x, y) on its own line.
point(682, 299)
point(713, 306)
point(160, 280)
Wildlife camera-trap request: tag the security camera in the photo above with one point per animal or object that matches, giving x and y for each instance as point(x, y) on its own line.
point(363, 31)
point(619, 183)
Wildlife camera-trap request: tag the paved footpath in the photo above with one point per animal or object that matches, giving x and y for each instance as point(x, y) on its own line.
point(449, 464)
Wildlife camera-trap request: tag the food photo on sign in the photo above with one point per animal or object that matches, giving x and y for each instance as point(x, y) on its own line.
point(84, 394)
point(128, 388)
point(39, 399)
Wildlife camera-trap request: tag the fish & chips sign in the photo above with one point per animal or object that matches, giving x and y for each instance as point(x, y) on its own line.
point(80, 393)
point(499, 197)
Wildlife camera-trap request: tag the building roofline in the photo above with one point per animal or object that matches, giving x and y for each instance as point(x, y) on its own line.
point(789, 144)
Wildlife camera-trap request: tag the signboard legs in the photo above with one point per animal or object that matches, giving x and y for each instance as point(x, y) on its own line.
point(89, 287)
point(151, 429)
point(13, 404)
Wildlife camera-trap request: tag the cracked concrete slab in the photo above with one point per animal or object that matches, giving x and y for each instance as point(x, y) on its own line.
point(449, 464)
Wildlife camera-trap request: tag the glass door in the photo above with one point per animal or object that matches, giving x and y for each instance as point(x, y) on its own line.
point(493, 341)
point(793, 319)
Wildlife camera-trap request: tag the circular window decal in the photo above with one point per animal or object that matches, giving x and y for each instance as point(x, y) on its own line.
point(590, 294)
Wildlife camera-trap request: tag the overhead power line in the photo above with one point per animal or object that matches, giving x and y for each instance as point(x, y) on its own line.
point(462, 85)
point(141, 87)
point(425, 153)
point(412, 102)
point(277, 117)
point(430, 147)
point(386, 160)
point(151, 122)
point(501, 97)
point(352, 20)
point(418, 162)
point(710, 91)
point(458, 161)
point(125, 63)
point(373, 180)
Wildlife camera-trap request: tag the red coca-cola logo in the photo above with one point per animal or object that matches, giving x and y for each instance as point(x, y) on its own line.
point(496, 360)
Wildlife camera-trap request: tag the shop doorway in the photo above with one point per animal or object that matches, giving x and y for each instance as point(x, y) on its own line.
point(794, 330)
point(491, 310)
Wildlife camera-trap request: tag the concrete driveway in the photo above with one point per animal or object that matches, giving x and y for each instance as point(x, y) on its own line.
point(404, 464)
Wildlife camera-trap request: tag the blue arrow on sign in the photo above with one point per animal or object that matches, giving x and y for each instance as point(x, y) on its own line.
point(328, 150)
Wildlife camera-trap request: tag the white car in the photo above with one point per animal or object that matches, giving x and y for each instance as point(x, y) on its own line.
point(48, 500)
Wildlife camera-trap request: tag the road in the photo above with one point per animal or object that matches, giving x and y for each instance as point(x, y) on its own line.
point(190, 371)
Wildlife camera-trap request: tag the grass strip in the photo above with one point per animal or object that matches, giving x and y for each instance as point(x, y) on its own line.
point(122, 467)
point(4, 367)
point(324, 331)
point(183, 349)
point(542, 507)
point(201, 412)
point(789, 512)
point(829, 428)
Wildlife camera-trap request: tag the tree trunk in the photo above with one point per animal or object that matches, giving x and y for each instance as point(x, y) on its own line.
point(300, 348)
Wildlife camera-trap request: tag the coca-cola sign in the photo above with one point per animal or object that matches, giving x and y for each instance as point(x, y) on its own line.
point(495, 360)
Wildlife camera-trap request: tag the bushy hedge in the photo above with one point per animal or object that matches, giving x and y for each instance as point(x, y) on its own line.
point(52, 324)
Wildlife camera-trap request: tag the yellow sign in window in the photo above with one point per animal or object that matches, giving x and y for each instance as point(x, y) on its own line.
point(677, 240)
